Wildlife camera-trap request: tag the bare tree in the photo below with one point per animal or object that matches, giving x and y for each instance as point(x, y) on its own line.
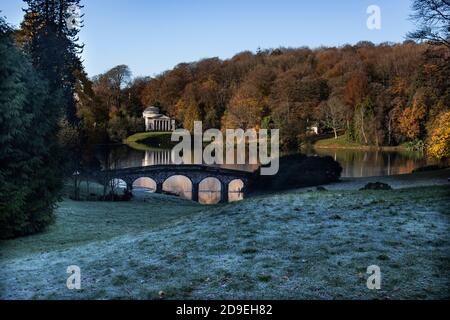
point(433, 21)
point(334, 114)
point(118, 78)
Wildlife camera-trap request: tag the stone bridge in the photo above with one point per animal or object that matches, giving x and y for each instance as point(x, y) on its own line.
point(195, 173)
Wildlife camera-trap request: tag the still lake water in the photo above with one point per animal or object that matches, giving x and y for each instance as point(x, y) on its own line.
point(374, 163)
point(355, 163)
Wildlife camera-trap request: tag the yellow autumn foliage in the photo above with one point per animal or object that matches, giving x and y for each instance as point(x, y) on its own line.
point(439, 146)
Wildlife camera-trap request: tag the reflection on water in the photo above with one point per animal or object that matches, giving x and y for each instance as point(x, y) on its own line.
point(355, 163)
point(158, 157)
point(145, 184)
point(370, 163)
point(179, 185)
point(235, 191)
point(125, 157)
point(210, 191)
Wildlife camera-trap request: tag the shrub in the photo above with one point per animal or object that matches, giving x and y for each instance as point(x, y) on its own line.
point(299, 170)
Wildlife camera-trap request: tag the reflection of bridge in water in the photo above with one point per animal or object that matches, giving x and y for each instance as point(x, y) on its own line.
point(130, 158)
point(198, 178)
point(157, 157)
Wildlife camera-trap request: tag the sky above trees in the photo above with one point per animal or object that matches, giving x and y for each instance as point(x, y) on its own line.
point(154, 36)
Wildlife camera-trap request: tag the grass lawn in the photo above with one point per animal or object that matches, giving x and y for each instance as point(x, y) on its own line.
point(342, 142)
point(80, 223)
point(291, 245)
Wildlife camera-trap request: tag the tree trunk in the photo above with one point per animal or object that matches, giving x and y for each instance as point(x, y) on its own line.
point(335, 129)
point(389, 130)
point(362, 127)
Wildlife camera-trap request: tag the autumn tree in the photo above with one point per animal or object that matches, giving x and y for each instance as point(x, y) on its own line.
point(363, 89)
point(410, 122)
point(245, 108)
point(333, 114)
point(118, 108)
point(439, 144)
point(117, 79)
point(187, 107)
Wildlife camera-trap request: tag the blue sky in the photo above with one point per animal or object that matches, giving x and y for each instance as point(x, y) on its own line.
point(152, 36)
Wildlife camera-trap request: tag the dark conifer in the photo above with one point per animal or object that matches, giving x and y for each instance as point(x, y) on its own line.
point(30, 179)
point(50, 34)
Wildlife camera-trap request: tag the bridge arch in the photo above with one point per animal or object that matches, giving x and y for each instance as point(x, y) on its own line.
point(146, 183)
point(210, 191)
point(236, 190)
point(117, 185)
point(178, 184)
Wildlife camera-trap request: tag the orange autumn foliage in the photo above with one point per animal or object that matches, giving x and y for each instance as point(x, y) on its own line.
point(439, 146)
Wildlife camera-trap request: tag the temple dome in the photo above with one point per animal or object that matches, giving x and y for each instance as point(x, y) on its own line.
point(155, 121)
point(152, 112)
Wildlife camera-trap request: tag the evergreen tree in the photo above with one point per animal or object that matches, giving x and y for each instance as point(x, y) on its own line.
point(49, 32)
point(29, 155)
point(49, 35)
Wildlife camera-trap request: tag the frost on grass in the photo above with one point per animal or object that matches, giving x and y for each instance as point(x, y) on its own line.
point(293, 245)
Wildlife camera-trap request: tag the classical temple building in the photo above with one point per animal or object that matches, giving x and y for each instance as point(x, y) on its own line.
point(154, 121)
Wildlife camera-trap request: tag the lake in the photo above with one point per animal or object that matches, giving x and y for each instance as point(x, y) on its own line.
point(374, 163)
point(355, 163)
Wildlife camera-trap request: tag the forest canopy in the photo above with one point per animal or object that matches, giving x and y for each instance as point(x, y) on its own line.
point(377, 95)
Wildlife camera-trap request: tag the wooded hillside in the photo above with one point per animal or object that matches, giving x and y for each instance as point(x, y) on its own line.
point(377, 94)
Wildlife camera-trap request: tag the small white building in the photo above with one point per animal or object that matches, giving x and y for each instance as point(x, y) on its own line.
point(314, 129)
point(154, 121)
